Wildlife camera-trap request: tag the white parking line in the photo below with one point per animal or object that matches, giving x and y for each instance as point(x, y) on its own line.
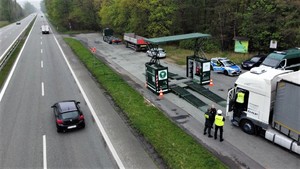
point(43, 92)
point(99, 124)
point(44, 152)
point(42, 64)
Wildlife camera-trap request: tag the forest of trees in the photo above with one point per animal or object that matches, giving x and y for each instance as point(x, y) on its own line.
point(258, 20)
point(11, 11)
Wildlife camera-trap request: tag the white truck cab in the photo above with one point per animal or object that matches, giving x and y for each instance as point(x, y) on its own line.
point(254, 97)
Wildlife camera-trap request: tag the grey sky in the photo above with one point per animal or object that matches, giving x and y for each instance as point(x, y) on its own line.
point(35, 3)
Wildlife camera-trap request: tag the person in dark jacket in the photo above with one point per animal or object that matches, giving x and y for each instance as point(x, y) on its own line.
point(209, 120)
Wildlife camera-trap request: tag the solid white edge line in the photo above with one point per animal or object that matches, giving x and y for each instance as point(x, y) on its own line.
point(14, 41)
point(14, 66)
point(43, 91)
point(100, 126)
point(44, 152)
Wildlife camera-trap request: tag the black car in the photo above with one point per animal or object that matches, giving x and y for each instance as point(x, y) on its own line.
point(255, 61)
point(68, 115)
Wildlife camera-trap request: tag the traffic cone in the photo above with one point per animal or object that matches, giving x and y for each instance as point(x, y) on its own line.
point(211, 82)
point(161, 94)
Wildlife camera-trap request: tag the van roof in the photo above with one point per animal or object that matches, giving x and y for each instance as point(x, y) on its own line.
point(286, 54)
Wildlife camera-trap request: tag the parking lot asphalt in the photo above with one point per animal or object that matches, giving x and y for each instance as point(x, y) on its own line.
point(239, 150)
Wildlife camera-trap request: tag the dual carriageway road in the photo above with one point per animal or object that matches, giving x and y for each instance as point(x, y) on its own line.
point(28, 137)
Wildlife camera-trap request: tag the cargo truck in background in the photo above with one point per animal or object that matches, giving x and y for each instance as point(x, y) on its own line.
point(135, 42)
point(265, 101)
point(108, 36)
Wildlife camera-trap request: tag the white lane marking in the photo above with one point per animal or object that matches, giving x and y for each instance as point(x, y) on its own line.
point(41, 37)
point(42, 64)
point(43, 89)
point(99, 124)
point(41, 50)
point(44, 152)
point(14, 66)
point(41, 43)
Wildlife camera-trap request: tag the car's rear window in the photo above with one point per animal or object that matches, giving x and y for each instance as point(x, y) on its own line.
point(68, 115)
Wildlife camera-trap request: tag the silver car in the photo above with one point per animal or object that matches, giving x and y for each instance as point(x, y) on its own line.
point(156, 51)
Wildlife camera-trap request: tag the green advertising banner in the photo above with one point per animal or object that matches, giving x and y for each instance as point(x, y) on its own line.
point(241, 46)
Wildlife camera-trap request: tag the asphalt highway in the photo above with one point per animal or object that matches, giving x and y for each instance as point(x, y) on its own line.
point(44, 74)
point(10, 33)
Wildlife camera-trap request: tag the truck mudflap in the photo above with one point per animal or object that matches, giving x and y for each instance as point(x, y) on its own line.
point(282, 140)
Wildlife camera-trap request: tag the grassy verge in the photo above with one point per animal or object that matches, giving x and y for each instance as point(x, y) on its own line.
point(179, 55)
point(3, 23)
point(6, 69)
point(178, 149)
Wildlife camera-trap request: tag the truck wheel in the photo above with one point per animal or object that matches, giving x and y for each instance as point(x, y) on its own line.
point(248, 127)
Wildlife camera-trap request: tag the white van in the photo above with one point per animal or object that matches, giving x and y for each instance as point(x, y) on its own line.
point(45, 29)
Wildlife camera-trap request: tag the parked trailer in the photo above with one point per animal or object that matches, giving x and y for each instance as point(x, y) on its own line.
point(135, 42)
point(265, 101)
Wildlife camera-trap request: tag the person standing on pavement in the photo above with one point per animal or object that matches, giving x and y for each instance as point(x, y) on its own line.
point(209, 120)
point(219, 123)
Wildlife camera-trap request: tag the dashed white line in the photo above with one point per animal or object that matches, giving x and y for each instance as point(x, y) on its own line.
point(42, 64)
point(44, 152)
point(41, 43)
point(41, 50)
point(99, 124)
point(43, 89)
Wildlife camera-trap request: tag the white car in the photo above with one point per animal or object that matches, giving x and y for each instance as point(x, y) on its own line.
point(156, 51)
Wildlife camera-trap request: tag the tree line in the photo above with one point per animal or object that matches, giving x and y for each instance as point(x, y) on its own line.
point(12, 11)
point(258, 20)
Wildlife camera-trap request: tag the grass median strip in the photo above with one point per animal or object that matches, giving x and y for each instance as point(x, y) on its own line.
point(178, 149)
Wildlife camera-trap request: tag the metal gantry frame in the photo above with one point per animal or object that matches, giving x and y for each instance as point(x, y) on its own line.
point(156, 74)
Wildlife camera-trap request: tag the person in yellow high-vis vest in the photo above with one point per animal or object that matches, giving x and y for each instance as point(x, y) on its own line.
point(219, 123)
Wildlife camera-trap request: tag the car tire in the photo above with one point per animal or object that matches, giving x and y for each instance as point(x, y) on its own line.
point(225, 72)
point(59, 130)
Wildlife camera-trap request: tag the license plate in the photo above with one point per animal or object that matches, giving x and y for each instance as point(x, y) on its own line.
point(71, 127)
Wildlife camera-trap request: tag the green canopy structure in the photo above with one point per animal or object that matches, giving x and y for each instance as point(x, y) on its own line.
point(166, 39)
point(154, 42)
point(198, 67)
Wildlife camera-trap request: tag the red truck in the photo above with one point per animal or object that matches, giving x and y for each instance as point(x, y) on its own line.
point(135, 42)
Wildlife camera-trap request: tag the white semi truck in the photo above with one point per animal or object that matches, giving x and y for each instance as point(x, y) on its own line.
point(266, 101)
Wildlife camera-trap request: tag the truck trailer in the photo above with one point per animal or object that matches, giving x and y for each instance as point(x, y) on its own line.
point(265, 101)
point(135, 42)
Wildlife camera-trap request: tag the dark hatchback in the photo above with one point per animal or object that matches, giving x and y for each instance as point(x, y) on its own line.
point(68, 115)
point(255, 61)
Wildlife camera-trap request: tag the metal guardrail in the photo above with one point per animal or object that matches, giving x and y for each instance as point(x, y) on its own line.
point(5, 57)
point(10, 52)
